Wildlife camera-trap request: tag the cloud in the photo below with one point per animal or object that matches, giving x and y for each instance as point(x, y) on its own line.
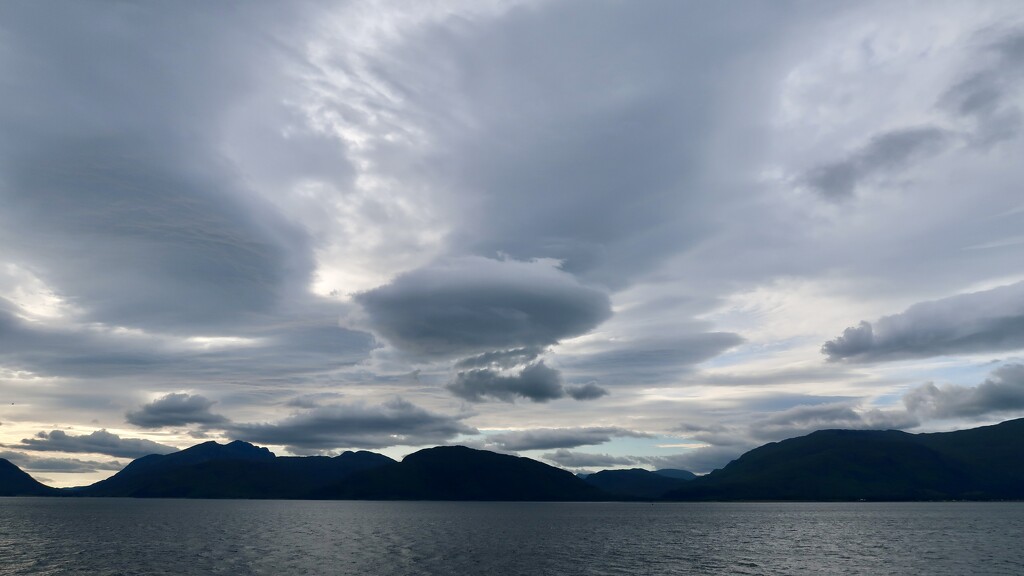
point(124, 179)
point(500, 359)
point(536, 383)
point(987, 96)
point(1001, 392)
point(648, 360)
point(801, 420)
point(35, 464)
point(175, 409)
point(796, 421)
point(570, 459)
point(98, 442)
point(885, 153)
point(549, 438)
point(190, 195)
point(984, 97)
point(607, 181)
point(727, 440)
point(312, 400)
point(812, 374)
point(986, 321)
point(588, 391)
point(472, 305)
point(393, 423)
point(310, 342)
point(697, 460)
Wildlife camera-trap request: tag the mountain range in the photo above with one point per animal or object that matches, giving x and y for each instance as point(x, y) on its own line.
point(985, 463)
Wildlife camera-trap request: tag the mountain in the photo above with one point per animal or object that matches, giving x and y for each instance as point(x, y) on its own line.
point(15, 482)
point(460, 473)
point(675, 473)
point(634, 483)
point(984, 463)
point(235, 470)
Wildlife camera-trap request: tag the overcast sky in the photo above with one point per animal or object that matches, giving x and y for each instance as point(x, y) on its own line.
point(603, 234)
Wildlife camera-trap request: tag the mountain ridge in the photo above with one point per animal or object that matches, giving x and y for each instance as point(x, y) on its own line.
point(16, 482)
point(984, 463)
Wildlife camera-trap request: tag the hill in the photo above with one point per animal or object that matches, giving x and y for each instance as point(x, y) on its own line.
point(984, 463)
point(235, 470)
point(675, 473)
point(635, 483)
point(460, 473)
point(15, 482)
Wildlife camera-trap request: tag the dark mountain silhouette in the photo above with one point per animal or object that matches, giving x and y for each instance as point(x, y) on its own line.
point(460, 473)
point(235, 470)
point(984, 463)
point(676, 473)
point(634, 483)
point(15, 482)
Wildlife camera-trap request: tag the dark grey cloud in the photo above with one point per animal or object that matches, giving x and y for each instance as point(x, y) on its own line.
point(309, 342)
point(571, 459)
point(550, 438)
point(64, 351)
point(882, 155)
point(986, 321)
point(536, 382)
point(1002, 392)
point(37, 464)
point(588, 391)
point(115, 193)
point(172, 253)
point(393, 423)
point(175, 409)
point(649, 360)
point(467, 306)
point(137, 151)
point(98, 442)
point(583, 145)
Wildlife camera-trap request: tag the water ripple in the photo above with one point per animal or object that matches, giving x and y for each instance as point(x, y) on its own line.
point(123, 537)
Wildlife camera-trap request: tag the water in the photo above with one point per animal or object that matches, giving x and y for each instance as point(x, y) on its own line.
point(47, 536)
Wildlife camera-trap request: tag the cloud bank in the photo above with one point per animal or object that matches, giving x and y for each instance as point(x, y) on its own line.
point(1001, 392)
point(986, 321)
point(535, 382)
point(466, 306)
point(98, 442)
point(66, 465)
point(550, 438)
point(356, 425)
point(175, 409)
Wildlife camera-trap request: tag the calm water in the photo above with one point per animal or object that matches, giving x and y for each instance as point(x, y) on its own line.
point(120, 536)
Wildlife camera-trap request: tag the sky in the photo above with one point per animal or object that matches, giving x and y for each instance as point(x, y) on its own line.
point(600, 234)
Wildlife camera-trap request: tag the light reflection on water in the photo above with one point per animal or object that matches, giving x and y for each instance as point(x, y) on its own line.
point(41, 536)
